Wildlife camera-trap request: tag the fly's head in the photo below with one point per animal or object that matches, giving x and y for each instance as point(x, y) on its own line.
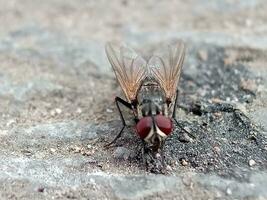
point(154, 130)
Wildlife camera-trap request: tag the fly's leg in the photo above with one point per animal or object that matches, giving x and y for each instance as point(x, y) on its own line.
point(144, 154)
point(174, 115)
point(127, 105)
point(162, 155)
point(175, 106)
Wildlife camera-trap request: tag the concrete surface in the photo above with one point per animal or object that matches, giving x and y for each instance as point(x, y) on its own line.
point(57, 109)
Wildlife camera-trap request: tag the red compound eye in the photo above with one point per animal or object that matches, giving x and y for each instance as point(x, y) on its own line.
point(144, 126)
point(164, 124)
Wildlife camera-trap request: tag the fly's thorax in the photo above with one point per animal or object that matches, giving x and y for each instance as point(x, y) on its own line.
point(151, 100)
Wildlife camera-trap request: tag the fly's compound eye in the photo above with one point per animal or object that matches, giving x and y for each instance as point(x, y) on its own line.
point(164, 124)
point(144, 126)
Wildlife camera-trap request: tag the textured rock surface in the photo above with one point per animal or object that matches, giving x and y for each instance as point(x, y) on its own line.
point(57, 110)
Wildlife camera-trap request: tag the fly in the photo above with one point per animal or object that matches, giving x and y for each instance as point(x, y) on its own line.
point(150, 89)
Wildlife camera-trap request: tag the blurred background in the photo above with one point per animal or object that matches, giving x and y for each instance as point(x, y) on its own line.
point(58, 27)
point(43, 43)
point(57, 90)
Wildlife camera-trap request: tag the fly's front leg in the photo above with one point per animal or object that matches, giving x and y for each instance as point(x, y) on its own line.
point(174, 115)
point(127, 105)
point(162, 155)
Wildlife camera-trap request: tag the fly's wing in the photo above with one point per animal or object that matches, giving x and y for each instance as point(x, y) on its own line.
point(165, 66)
point(129, 68)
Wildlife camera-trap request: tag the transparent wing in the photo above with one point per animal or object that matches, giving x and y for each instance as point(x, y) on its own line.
point(129, 68)
point(165, 66)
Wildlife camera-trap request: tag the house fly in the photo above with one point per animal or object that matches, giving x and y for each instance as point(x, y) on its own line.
point(150, 89)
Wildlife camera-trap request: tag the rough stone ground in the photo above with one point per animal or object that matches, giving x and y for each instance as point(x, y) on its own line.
point(57, 109)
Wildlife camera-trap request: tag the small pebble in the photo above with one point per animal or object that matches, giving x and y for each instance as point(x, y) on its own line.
point(184, 162)
point(52, 112)
point(11, 122)
point(230, 58)
point(234, 142)
point(228, 191)
point(218, 195)
point(79, 110)
point(249, 85)
point(218, 114)
point(248, 22)
point(58, 111)
point(217, 149)
point(109, 110)
point(55, 112)
point(216, 100)
point(251, 162)
point(203, 55)
point(168, 168)
point(52, 150)
point(158, 156)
